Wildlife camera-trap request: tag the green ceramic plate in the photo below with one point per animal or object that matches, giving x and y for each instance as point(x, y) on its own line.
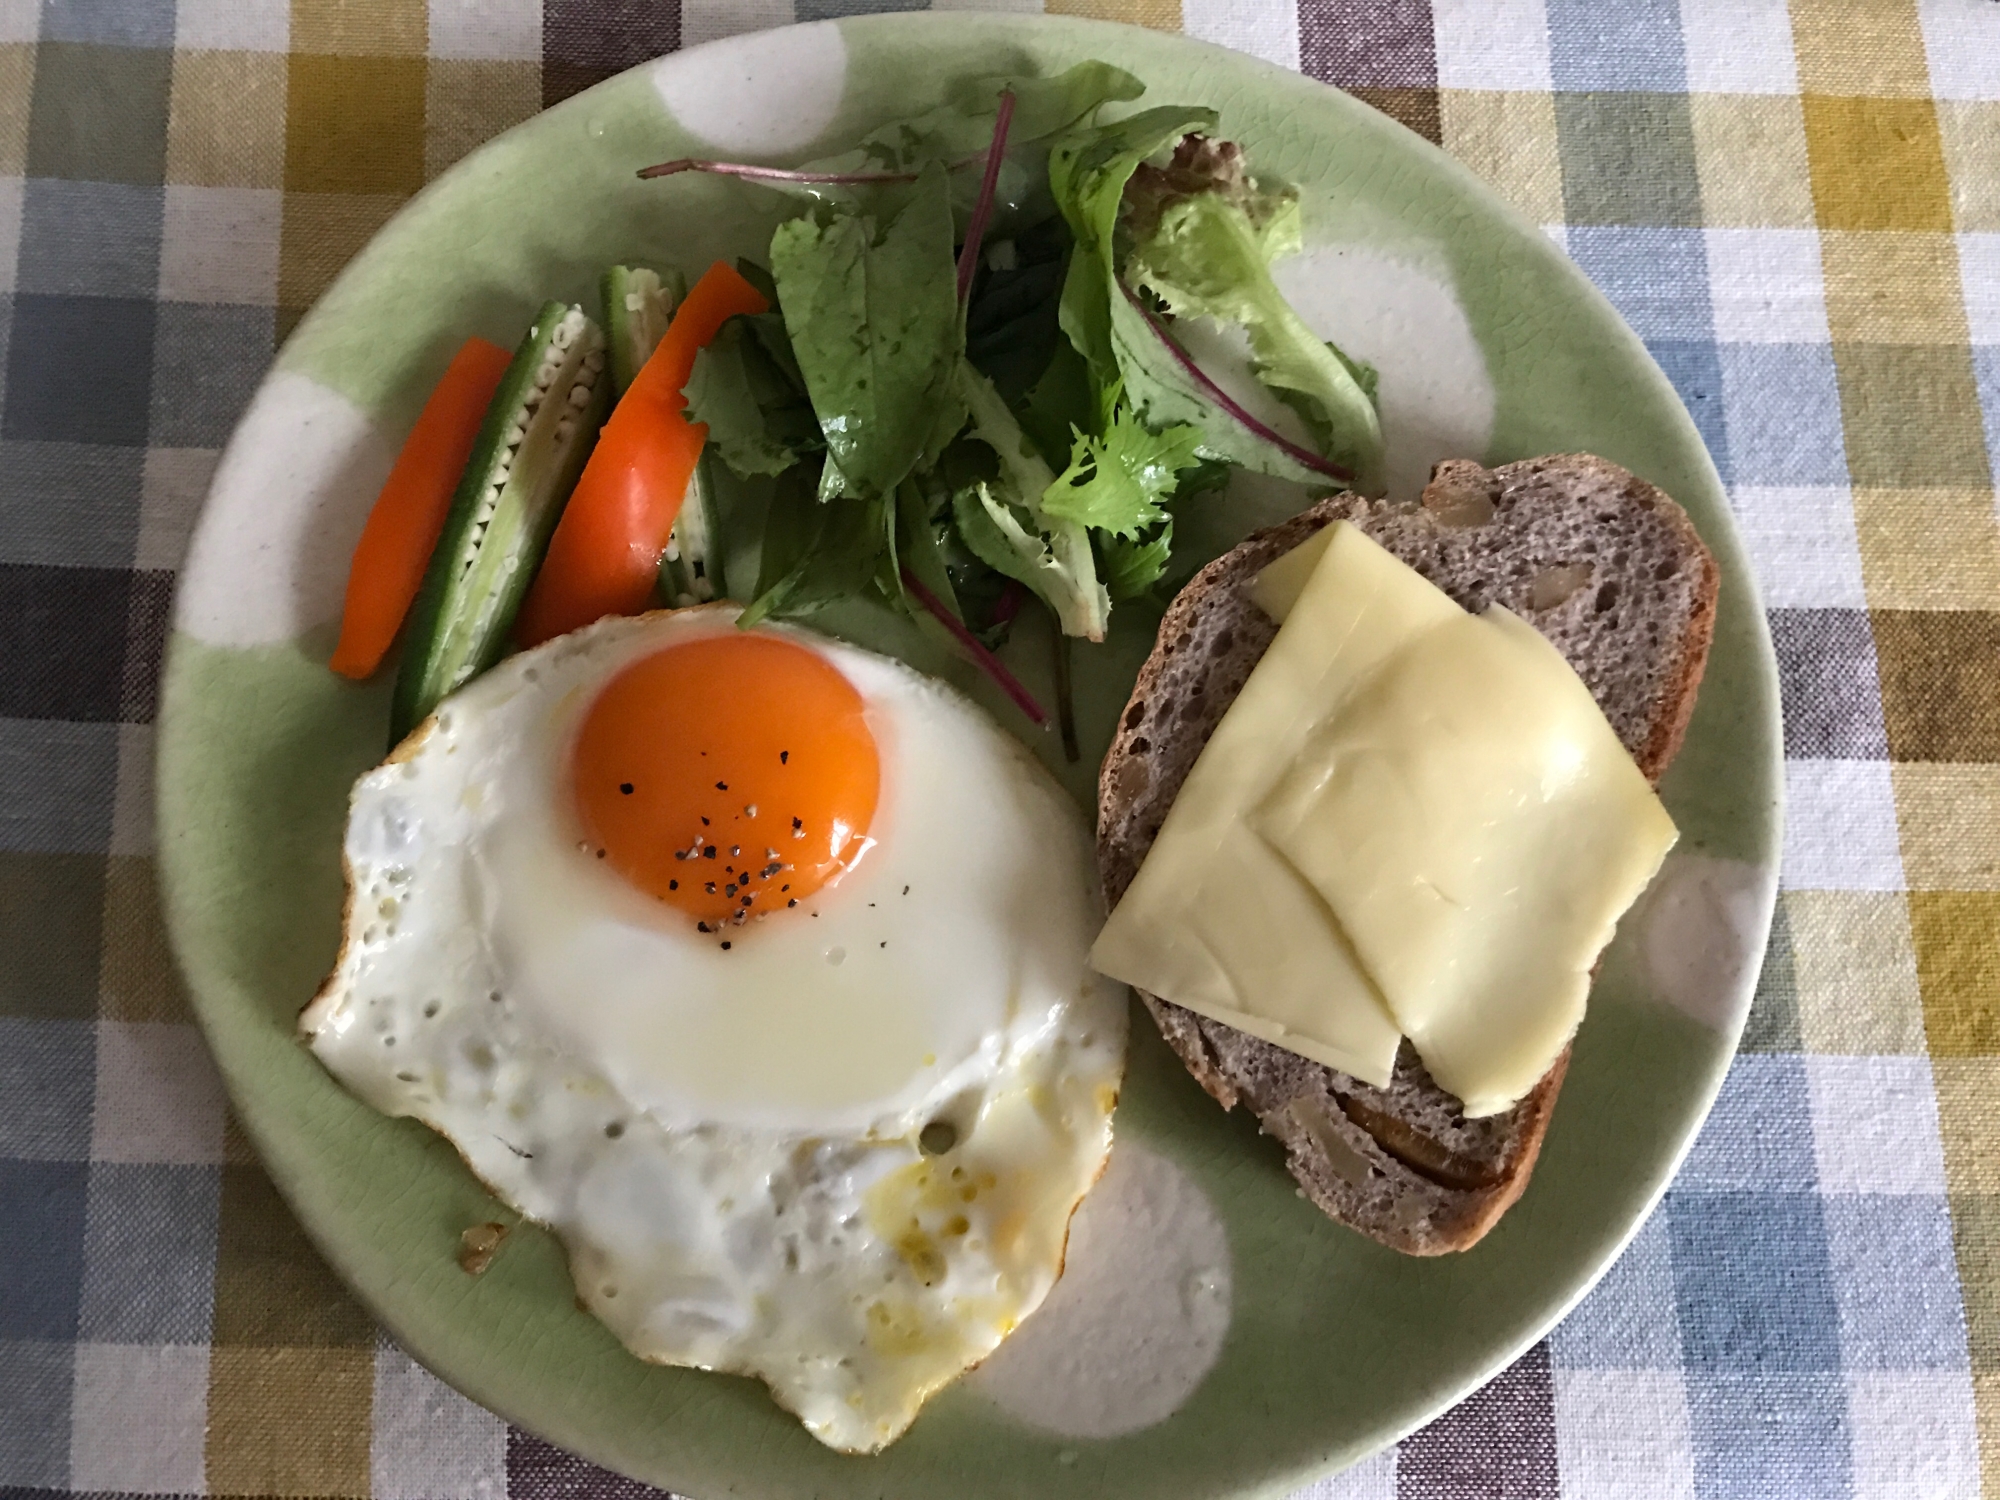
point(1282, 1345)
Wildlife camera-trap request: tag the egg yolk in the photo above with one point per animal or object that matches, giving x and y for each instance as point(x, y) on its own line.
point(729, 776)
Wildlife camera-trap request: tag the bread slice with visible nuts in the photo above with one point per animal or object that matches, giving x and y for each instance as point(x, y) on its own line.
point(1612, 572)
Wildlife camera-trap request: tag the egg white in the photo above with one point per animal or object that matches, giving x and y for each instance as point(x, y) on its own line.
point(726, 1141)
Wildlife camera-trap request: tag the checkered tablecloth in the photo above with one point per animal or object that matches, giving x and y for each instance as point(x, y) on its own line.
point(1797, 206)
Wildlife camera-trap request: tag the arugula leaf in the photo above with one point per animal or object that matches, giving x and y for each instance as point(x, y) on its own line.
point(1117, 483)
point(1205, 234)
point(1131, 568)
point(746, 387)
point(814, 554)
point(874, 326)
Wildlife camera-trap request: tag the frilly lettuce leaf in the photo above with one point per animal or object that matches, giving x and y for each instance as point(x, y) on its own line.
point(1119, 483)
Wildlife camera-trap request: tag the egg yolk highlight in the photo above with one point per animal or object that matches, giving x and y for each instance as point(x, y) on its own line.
point(730, 776)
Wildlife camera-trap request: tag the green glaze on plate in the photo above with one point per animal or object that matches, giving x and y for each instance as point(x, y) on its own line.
point(1492, 345)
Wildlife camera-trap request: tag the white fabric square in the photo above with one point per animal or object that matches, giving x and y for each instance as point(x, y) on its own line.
point(21, 20)
point(1371, 1479)
point(1802, 545)
point(1492, 44)
point(1253, 26)
point(220, 245)
point(1913, 1435)
point(11, 189)
point(506, 30)
point(139, 1418)
point(1840, 827)
point(430, 1442)
point(1875, 1125)
point(158, 1096)
point(1963, 40)
point(1623, 1435)
point(233, 26)
point(1765, 286)
point(1558, 235)
point(1738, 47)
point(1979, 274)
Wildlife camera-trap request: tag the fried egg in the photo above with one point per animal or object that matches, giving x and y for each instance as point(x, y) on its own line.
point(754, 966)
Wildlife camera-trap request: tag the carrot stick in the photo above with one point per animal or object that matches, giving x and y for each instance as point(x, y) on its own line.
point(605, 553)
point(396, 543)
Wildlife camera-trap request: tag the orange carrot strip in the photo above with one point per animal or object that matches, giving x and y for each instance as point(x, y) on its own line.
point(395, 545)
point(605, 553)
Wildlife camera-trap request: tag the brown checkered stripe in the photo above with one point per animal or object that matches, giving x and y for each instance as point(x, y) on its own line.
point(1925, 515)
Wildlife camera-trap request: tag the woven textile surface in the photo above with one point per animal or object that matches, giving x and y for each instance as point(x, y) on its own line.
point(1797, 206)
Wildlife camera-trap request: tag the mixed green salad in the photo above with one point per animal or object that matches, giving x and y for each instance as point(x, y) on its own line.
point(1005, 340)
point(997, 347)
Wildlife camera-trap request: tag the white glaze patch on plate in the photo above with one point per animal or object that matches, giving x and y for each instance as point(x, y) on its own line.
point(269, 559)
point(1435, 394)
point(1139, 1316)
point(1702, 927)
point(769, 92)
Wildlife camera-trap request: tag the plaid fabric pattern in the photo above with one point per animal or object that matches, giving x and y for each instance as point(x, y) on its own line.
point(1796, 205)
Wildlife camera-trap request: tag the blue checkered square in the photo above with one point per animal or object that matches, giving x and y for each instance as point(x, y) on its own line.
point(1896, 1277)
point(1632, 45)
point(1986, 371)
point(1784, 414)
point(61, 779)
point(90, 239)
point(1758, 1138)
point(129, 23)
point(1628, 1322)
point(41, 1272)
point(150, 1244)
point(36, 1380)
point(1765, 1434)
point(78, 369)
point(1696, 374)
point(1656, 277)
point(207, 361)
point(1754, 1282)
point(47, 1074)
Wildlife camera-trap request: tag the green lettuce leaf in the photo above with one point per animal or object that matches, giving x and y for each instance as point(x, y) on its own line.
point(815, 554)
point(1088, 170)
point(1004, 524)
point(1132, 567)
point(1118, 483)
point(1204, 235)
point(874, 326)
point(746, 387)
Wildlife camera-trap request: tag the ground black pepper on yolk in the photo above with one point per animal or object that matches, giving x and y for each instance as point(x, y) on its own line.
point(729, 776)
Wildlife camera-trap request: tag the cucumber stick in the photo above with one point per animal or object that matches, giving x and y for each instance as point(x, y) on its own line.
point(638, 305)
point(538, 432)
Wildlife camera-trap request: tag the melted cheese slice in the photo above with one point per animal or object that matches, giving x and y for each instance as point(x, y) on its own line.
point(1411, 821)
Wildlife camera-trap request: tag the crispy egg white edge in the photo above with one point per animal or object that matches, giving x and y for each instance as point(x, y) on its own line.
point(1109, 1026)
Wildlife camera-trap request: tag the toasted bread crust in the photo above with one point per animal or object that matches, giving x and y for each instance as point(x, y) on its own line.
point(1401, 1164)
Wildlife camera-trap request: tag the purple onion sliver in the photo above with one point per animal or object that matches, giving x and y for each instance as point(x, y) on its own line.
point(982, 210)
point(1228, 403)
point(987, 662)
